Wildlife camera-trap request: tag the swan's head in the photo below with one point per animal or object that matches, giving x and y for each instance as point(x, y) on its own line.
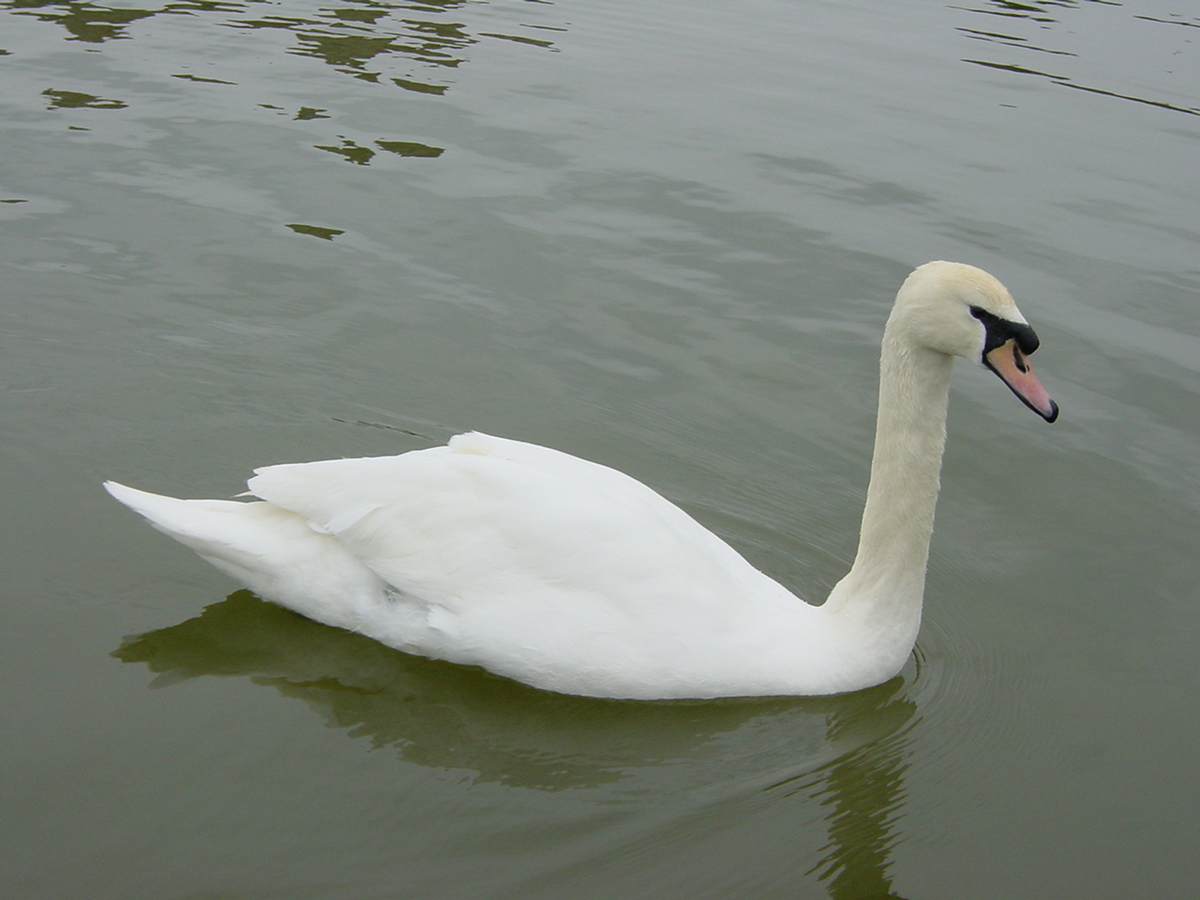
point(960, 310)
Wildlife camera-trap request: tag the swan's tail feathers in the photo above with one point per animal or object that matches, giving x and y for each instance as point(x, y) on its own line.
point(224, 529)
point(270, 550)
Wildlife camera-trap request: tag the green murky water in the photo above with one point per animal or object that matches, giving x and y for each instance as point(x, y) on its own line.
point(662, 236)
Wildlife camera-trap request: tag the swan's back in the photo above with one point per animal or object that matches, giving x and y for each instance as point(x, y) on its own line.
point(484, 509)
point(535, 564)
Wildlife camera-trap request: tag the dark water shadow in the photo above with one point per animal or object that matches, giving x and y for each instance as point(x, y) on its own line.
point(848, 752)
point(365, 39)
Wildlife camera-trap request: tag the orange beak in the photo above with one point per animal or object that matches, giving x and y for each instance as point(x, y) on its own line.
point(1014, 369)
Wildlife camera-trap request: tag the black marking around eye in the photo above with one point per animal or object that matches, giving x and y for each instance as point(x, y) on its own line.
point(998, 331)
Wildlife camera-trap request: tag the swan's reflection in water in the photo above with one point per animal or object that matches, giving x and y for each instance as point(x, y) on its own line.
point(864, 790)
point(847, 753)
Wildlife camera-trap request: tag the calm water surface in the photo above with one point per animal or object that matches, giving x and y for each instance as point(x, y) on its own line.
point(663, 236)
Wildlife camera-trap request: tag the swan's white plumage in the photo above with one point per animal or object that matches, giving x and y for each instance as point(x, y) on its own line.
point(572, 576)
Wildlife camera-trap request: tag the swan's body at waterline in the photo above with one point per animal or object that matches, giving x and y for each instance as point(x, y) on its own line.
point(574, 577)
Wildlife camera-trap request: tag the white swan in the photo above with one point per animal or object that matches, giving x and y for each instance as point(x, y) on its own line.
point(574, 577)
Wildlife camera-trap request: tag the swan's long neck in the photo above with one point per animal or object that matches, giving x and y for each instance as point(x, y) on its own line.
point(883, 590)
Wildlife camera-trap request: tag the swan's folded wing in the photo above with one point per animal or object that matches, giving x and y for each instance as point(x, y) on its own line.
point(486, 520)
